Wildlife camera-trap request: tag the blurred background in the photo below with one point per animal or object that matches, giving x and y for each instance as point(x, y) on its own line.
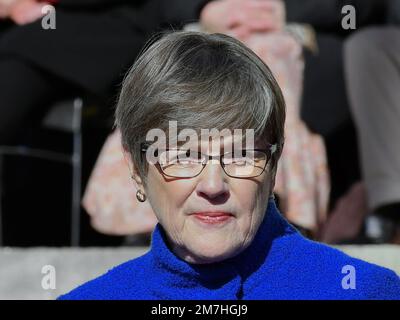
point(65, 191)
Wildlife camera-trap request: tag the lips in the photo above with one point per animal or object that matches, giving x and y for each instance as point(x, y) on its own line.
point(212, 213)
point(212, 217)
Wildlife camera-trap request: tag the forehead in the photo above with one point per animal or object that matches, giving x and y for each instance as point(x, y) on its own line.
point(217, 141)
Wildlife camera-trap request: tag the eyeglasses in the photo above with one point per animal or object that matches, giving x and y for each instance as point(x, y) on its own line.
point(245, 163)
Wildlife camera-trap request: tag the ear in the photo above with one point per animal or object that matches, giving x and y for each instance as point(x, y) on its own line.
point(137, 180)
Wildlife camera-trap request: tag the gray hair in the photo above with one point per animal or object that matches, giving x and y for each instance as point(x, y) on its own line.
point(201, 81)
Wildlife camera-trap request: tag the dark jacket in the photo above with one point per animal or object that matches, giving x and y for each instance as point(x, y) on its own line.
point(95, 41)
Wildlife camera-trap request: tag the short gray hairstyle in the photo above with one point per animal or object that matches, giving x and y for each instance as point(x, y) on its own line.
point(201, 81)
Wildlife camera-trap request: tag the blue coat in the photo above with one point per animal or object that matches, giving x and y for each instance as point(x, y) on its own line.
point(279, 264)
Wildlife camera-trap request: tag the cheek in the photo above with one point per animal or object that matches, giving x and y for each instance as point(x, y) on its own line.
point(166, 197)
point(252, 195)
point(246, 194)
point(264, 192)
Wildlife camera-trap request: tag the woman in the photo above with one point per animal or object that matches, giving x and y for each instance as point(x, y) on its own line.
point(220, 235)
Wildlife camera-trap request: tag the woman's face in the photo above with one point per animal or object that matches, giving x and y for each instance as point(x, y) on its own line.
point(184, 206)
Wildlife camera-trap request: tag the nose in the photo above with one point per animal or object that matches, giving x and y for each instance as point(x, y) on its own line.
point(212, 183)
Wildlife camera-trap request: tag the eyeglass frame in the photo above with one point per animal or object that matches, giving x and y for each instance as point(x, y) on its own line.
point(272, 149)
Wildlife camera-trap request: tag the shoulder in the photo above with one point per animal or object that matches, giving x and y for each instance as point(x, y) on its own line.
point(332, 273)
point(124, 281)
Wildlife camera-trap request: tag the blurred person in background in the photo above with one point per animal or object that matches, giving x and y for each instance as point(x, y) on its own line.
point(89, 51)
point(86, 55)
point(372, 59)
point(369, 211)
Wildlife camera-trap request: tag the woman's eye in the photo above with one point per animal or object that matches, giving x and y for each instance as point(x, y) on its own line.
point(189, 161)
point(239, 161)
point(184, 161)
point(243, 161)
